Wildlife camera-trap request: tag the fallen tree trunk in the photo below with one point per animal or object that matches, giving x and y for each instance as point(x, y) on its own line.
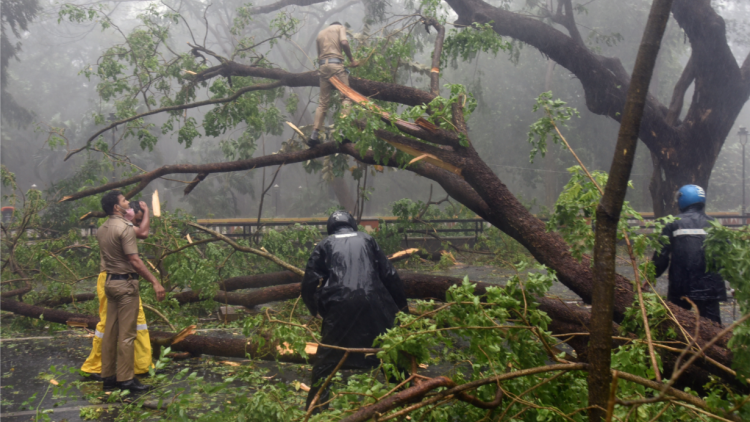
point(17, 292)
point(248, 300)
point(566, 319)
point(194, 344)
point(259, 281)
point(83, 297)
point(283, 285)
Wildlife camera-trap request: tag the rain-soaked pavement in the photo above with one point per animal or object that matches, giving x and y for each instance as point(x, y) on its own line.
point(27, 359)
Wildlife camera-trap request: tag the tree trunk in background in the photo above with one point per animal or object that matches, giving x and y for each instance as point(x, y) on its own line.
point(343, 193)
point(686, 150)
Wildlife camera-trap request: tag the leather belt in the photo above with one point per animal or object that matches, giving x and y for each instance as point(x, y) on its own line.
point(330, 61)
point(122, 276)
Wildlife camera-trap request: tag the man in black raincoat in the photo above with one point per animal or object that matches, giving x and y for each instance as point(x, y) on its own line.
point(687, 273)
point(352, 285)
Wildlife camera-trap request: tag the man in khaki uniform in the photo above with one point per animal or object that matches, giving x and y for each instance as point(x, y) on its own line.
point(92, 367)
point(331, 42)
point(119, 259)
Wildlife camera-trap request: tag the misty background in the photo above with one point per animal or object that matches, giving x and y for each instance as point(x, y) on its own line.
point(50, 95)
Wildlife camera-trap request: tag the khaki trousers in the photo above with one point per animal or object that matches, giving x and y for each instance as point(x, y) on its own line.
point(326, 88)
point(93, 364)
point(120, 331)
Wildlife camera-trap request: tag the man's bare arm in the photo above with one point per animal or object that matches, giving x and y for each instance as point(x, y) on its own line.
point(348, 52)
point(141, 232)
point(141, 269)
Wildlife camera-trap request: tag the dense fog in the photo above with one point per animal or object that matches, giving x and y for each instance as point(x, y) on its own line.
point(54, 103)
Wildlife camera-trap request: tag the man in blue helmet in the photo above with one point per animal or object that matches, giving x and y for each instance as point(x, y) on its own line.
point(351, 283)
point(687, 273)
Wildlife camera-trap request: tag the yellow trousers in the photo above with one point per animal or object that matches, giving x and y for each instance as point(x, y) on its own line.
point(143, 363)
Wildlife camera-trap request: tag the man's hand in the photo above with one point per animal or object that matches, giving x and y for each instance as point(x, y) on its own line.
point(354, 63)
point(159, 290)
point(144, 207)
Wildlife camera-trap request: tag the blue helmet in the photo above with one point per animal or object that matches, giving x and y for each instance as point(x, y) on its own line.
point(689, 195)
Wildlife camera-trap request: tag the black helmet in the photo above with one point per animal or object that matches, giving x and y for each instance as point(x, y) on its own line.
point(341, 219)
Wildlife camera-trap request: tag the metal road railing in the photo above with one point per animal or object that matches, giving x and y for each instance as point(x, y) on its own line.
point(472, 227)
point(239, 227)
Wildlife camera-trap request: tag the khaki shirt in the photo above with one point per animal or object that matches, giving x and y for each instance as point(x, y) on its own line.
point(116, 241)
point(329, 42)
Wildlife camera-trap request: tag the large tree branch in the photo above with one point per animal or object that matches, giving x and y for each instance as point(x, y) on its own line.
point(223, 167)
point(720, 90)
point(259, 10)
point(746, 70)
point(678, 96)
point(377, 90)
point(604, 79)
point(567, 19)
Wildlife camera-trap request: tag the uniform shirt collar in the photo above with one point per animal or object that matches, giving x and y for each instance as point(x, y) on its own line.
point(121, 218)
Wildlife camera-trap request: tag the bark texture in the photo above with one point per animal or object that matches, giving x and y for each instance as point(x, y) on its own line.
point(610, 207)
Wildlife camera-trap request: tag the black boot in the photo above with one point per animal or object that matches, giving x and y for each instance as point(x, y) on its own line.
point(134, 386)
point(313, 140)
point(110, 383)
point(89, 376)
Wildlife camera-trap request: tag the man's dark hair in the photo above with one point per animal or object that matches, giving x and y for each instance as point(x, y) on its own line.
point(109, 200)
point(136, 206)
point(336, 23)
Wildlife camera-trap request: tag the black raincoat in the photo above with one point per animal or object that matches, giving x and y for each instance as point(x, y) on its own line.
point(352, 285)
point(687, 273)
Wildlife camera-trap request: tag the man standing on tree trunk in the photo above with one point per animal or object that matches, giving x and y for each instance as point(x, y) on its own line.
point(687, 273)
point(119, 259)
point(331, 42)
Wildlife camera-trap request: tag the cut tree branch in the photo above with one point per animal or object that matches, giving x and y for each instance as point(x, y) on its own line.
point(436, 54)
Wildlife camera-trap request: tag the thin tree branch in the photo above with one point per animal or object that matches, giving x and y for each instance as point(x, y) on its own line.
point(324, 386)
point(260, 252)
point(231, 98)
point(265, 191)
